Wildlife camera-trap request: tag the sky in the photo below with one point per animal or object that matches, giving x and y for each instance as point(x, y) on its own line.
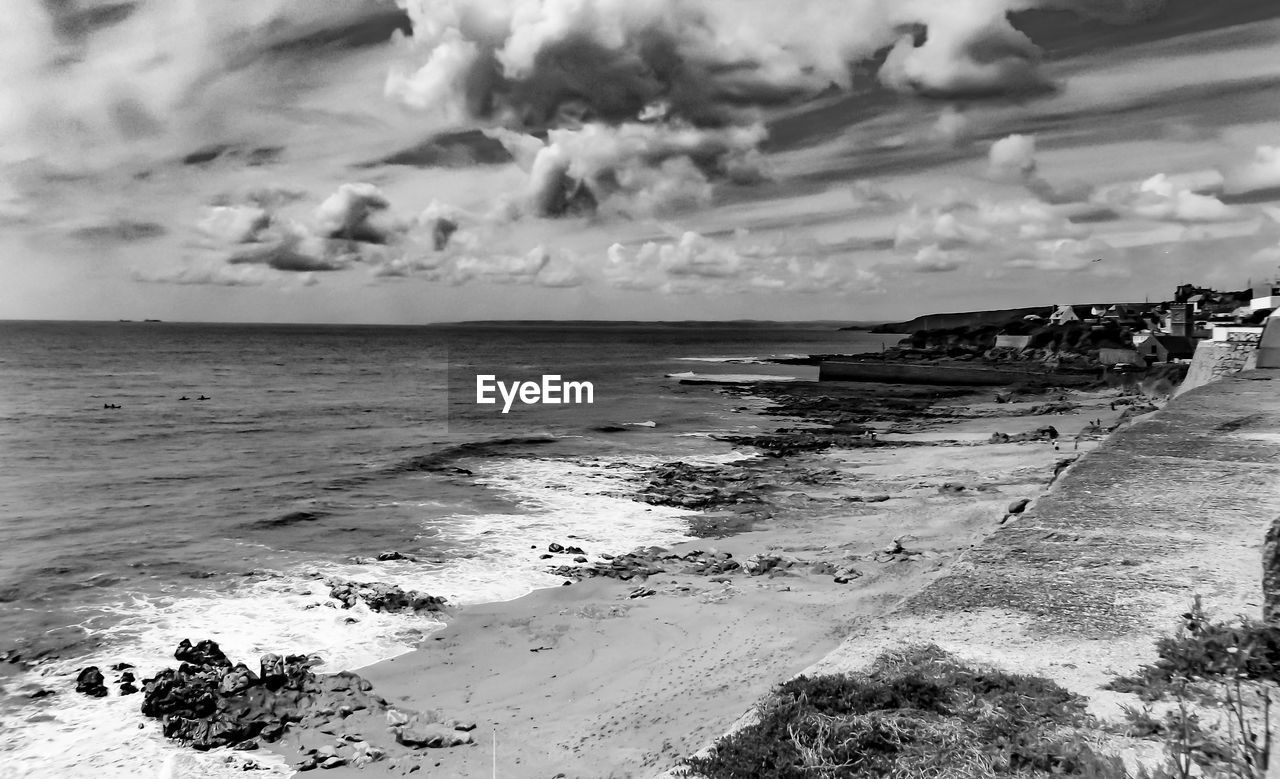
point(415, 161)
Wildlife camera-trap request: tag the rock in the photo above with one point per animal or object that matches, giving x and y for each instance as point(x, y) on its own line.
point(432, 736)
point(761, 564)
point(204, 653)
point(90, 682)
point(555, 548)
point(642, 592)
point(951, 488)
point(580, 559)
point(128, 688)
point(271, 669)
point(1271, 574)
point(213, 705)
point(396, 718)
point(393, 555)
point(379, 596)
point(573, 550)
point(1018, 506)
point(34, 692)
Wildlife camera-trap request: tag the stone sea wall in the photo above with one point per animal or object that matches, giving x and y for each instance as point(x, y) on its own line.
point(1215, 359)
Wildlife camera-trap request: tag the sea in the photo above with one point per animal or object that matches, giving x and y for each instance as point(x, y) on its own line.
point(161, 481)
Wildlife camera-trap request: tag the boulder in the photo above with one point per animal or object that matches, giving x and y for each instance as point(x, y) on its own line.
point(431, 735)
point(214, 705)
point(204, 653)
point(90, 682)
point(379, 596)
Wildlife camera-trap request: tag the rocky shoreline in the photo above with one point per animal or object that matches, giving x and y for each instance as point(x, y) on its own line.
point(840, 449)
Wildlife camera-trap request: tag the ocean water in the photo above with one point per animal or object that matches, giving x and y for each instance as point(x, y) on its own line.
point(127, 529)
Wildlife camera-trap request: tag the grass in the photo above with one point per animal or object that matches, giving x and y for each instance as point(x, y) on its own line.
point(916, 713)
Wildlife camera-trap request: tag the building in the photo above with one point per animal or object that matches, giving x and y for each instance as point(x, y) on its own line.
point(1181, 320)
point(1265, 296)
point(1018, 342)
point(1157, 347)
point(1063, 315)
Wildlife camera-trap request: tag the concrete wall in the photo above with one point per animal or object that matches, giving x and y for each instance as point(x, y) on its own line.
point(1013, 341)
point(1215, 359)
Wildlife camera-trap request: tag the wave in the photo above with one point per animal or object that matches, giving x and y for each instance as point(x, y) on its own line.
point(586, 501)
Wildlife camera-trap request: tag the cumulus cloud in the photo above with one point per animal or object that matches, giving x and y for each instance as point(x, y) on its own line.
point(538, 64)
point(1260, 174)
point(970, 48)
point(1165, 199)
point(353, 225)
point(358, 212)
point(1012, 158)
point(642, 169)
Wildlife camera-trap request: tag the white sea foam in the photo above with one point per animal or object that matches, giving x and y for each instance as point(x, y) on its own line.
point(574, 503)
point(749, 359)
point(730, 378)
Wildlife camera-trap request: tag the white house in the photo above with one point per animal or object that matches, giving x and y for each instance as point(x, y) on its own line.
point(1063, 315)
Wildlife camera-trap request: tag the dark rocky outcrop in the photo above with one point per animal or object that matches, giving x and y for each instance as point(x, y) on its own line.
point(90, 682)
point(217, 704)
point(379, 596)
point(1047, 433)
point(699, 487)
point(652, 560)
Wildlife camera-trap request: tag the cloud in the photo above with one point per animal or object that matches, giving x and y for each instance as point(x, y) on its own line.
point(1165, 199)
point(691, 263)
point(1012, 158)
point(1066, 254)
point(358, 212)
point(213, 273)
point(970, 49)
point(538, 64)
point(118, 230)
point(640, 169)
point(1260, 174)
point(934, 259)
point(234, 224)
point(952, 127)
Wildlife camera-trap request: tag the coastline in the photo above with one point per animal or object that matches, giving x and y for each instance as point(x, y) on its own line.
point(586, 681)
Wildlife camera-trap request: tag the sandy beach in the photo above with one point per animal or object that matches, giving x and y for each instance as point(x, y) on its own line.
point(586, 680)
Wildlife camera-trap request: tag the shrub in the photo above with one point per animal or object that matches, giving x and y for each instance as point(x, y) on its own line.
point(916, 713)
